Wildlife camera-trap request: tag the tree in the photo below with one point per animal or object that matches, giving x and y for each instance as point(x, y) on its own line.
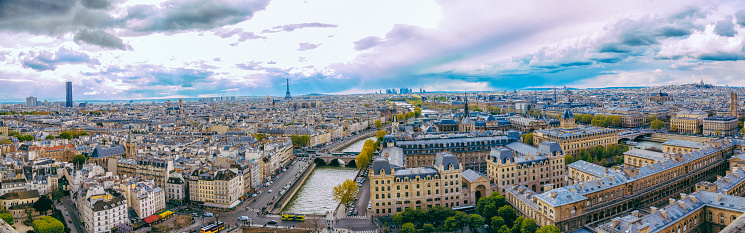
point(488, 207)
point(65, 135)
point(79, 160)
point(345, 192)
point(5, 142)
point(428, 228)
point(161, 228)
point(401, 117)
point(316, 225)
point(528, 138)
point(417, 112)
point(673, 127)
point(48, 224)
point(517, 227)
point(299, 141)
point(43, 205)
point(657, 124)
point(410, 115)
point(7, 217)
point(378, 124)
point(504, 229)
point(717, 132)
point(548, 229)
point(497, 222)
point(408, 228)
point(57, 194)
point(50, 137)
point(474, 222)
point(508, 214)
point(528, 226)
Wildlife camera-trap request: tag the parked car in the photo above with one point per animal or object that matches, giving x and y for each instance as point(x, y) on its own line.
point(270, 191)
point(195, 214)
point(208, 214)
point(243, 218)
point(355, 213)
point(272, 222)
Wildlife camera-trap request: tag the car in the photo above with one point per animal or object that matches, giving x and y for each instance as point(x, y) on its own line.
point(67, 214)
point(208, 214)
point(272, 222)
point(243, 218)
point(195, 214)
point(350, 213)
point(355, 212)
point(270, 191)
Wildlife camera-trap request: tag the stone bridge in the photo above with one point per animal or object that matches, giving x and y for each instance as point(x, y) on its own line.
point(347, 160)
point(633, 136)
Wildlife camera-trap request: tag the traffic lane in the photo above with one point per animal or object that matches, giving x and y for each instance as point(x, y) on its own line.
point(363, 198)
point(74, 216)
point(265, 196)
point(356, 224)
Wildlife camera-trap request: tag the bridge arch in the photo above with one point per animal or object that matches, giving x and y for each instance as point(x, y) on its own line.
point(320, 161)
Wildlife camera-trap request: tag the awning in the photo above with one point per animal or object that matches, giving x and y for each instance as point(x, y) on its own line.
point(152, 219)
point(165, 213)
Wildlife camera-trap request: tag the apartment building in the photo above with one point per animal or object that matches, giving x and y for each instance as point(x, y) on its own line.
point(218, 188)
point(145, 168)
point(689, 121)
point(176, 188)
point(720, 126)
point(105, 211)
point(572, 138)
point(145, 197)
point(471, 151)
point(539, 168)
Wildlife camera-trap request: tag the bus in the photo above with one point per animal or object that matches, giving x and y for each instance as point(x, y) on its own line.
point(213, 228)
point(293, 217)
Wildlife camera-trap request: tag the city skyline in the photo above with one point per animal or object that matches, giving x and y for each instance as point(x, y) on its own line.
point(248, 48)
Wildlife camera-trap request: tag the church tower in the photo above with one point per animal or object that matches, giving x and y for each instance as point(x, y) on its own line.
point(567, 120)
point(130, 146)
point(394, 123)
point(466, 124)
point(733, 104)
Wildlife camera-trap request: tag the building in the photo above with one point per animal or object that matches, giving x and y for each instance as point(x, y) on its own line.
point(9, 200)
point(145, 168)
point(31, 101)
point(688, 121)
point(733, 105)
point(104, 211)
point(572, 138)
point(681, 146)
point(527, 124)
point(730, 184)
point(394, 188)
point(640, 158)
point(13, 185)
point(539, 168)
point(145, 198)
point(61, 153)
point(176, 188)
point(660, 97)
point(695, 212)
point(470, 151)
point(102, 155)
point(720, 125)
point(621, 189)
point(582, 171)
point(215, 188)
point(68, 100)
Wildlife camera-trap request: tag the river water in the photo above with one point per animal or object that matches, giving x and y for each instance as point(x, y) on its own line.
point(315, 195)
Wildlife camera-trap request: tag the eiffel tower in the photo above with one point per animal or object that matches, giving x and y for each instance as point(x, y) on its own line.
point(287, 95)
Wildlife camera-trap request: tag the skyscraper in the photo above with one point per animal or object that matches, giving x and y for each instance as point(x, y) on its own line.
point(68, 103)
point(287, 95)
point(31, 101)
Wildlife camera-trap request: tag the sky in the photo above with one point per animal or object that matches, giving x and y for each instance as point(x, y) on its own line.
point(151, 49)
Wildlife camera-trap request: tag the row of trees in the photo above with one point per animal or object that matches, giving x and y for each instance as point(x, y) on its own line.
point(502, 218)
point(436, 218)
point(363, 159)
point(72, 134)
point(299, 141)
point(599, 120)
point(605, 156)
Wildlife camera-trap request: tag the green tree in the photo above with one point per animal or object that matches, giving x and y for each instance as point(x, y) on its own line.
point(504, 229)
point(428, 228)
point(673, 127)
point(5, 142)
point(408, 228)
point(48, 224)
point(378, 124)
point(7, 217)
point(657, 124)
point(43, 205)
point(548, 229)
point(474, 222)
point(345, 192)
point(79, 160)
point(497, 222)
point(528, 226)
point(417, 112)
point(410, 115)
point(57, 194)
point(717, 132)
point(517, 226)
point(401, 117)
point(65, 135)
point(299, 141)
point(456, 222)
point(508, 214)
point(488, 207)
point(528, 138)
point(258, 136)
point(49, 137)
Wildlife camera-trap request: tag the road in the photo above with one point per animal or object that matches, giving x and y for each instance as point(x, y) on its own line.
point(74, 215)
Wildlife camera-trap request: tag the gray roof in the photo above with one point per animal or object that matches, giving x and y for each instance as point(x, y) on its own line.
point(681, 143)
point(549, 147)
point(412, 173)
point(381, 164)
point(101, 152)
point(590, 168)
point(445, 159)
point(564, 133)
point(567, 114)
point(657, 156)
point(522, 148)
point(471, 175)
point(395, 156)
point(501, 154)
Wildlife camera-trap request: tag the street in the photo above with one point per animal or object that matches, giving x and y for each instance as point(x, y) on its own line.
point(73, 216)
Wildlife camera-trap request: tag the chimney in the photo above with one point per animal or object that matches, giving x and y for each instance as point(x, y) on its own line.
point(671, 201)
point(636, 213)
point(726, 173)
point(683, 196)
point(572, 190)
point(726, 178)
point(719, 196)
point(616, 221)
point(719, 177)
point(553, 194)
point(693, 198)
point(653, 209)
point(663, 212)
point(644, 228)
point(682, 204)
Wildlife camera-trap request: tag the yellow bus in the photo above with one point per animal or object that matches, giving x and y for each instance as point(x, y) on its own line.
point(213, 228)
point(293, 217)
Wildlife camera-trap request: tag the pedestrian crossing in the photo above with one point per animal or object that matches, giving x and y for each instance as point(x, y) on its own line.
point(370, 231)
point(356, 217)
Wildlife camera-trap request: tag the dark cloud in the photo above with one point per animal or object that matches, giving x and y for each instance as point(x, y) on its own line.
point(669, 31)
point(690, 12)
point(192, 14)
point(722, 56)
point(612, 48)
point(96, 4)
point(100, 38)
point(293, 27)
point(366, 43)
point(242, 35)
point(46, 60)
point(740, 17)
point(638, 38)
point(725, 27)
point(307, 46)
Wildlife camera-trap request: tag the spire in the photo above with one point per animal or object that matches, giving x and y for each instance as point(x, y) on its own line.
point(465, 96)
